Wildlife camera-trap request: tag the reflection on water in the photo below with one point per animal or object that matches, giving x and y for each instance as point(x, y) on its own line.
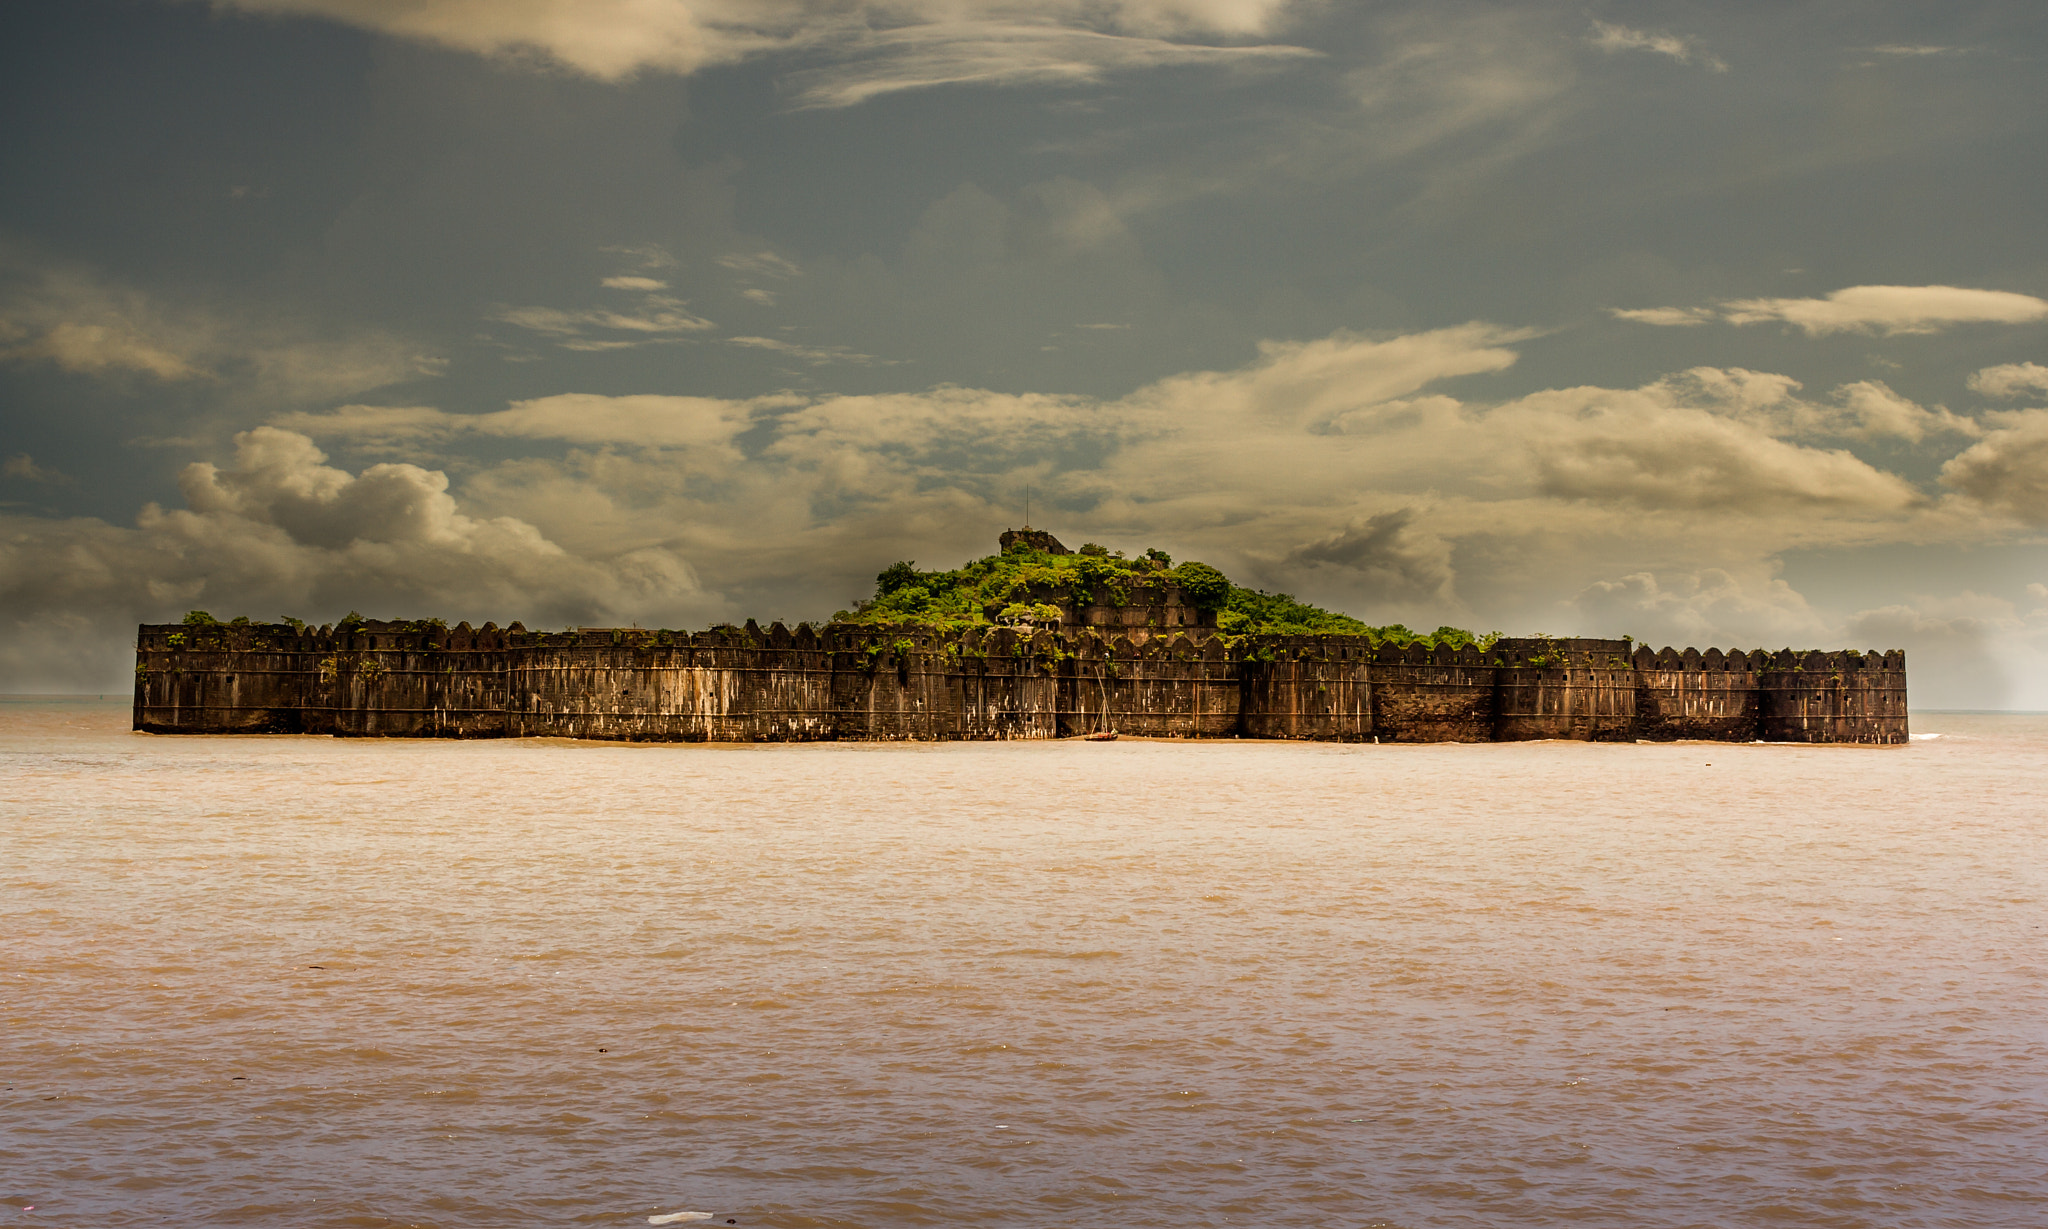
point(301, 981)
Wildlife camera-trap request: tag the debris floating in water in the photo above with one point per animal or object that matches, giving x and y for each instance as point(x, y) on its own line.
point(672, 1217)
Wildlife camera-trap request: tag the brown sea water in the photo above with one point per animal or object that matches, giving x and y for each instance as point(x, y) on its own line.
point(304, 981)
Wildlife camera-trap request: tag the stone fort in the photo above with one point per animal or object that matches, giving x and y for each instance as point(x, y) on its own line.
point(1151, 665)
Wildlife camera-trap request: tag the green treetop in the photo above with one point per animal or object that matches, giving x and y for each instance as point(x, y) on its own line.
point(1011, 584)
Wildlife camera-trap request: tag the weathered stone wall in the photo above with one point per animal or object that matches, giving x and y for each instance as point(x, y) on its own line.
point(1844, 697)
point(1707, 695)
point(859, 682)
point(1578, 689)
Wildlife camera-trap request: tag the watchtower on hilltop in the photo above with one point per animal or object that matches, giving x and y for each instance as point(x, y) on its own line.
point(1033, 539)
point(1135, 596)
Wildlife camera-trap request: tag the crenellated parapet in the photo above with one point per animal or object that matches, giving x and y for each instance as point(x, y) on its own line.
point(866, 681)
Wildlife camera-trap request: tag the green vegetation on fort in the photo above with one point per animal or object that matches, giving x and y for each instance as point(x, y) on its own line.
point(1011, 586)
point(349, 622)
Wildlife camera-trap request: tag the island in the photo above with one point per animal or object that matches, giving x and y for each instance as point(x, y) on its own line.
point(1034, 642)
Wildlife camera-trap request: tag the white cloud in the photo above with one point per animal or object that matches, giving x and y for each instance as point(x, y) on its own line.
point(704, 426)
point(646, 255)
point(817, 356)
point(1327, 461)
point(1759, 397)
point(1712, 607)
point(606, 39)
point(877, 45)
point(23, 467)
point(1891, 309)
point(71, 319)
point(864, 445)
point(1627, 448)
point(660, 319)
point(1342, 467)
point(764, 264)
point(1320, 383)
point(383, 428)
point(1869, 409)
point(2010, 380)
point(1669, 317)
point(95, 349)
point(1318, 440)
point(760, 264)
point(1027, 50)
point(1245, 18)
point(1862, 410)
point(706, 423)
point(1612, 38)
point(1492, 81)
point(277, 531)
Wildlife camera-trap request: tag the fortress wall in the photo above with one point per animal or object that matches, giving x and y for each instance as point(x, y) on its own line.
point(1006, 685)
point(1432, 696)
point(1586, 703)
point(746, 684)
point(1002, 697)
point(221, 680)
point(1844, 697)
point(895, 697)
point(727, 690)
point(1581, 689)
point(1313, 687)
point(404, 684)
point(910, 683)
point(1156, 687)
point(1711, 696)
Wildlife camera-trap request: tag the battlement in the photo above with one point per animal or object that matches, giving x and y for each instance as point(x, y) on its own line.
point(912, 681)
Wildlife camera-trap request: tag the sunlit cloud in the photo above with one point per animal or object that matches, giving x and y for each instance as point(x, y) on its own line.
point(815, 355)
point(1891, 309)
point(1612, 38)
point(1340, 466)
point(2010, 380)
point(71, 319)
point(873, 47)
point(1887, 310)
point(661, 319)
point(23, 467)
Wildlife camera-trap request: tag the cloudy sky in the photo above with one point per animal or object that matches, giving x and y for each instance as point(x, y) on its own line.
point(1703, 323)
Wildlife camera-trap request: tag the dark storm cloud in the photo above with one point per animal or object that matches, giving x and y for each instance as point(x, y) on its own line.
point(1392, 561)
